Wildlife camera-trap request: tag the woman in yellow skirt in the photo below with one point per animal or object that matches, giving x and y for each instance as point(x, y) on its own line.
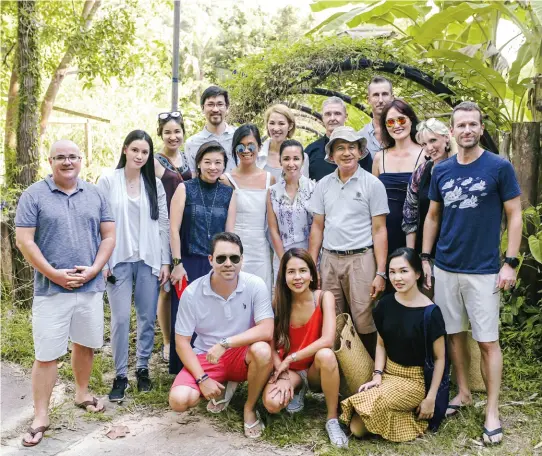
point(394, 404)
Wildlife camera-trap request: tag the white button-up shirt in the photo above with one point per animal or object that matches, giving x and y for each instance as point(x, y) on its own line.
point(348, 208)
point(195, 142)
point(212, 317)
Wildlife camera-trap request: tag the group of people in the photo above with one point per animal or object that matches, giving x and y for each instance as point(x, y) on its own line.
point(246, 250)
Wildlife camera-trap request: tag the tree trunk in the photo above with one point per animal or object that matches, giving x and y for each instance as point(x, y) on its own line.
point(89, 10)
point(27, 128)
point(10, 138)
point(526, 159)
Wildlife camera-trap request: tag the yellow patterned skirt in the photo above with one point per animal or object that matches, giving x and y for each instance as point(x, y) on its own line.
point(390, 409)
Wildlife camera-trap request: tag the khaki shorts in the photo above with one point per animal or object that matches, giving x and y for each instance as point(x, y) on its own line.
point(62, 316)
point(349, 278)
point(465, 298)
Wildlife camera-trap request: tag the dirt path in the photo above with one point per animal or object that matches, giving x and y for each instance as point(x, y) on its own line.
point(72, 434)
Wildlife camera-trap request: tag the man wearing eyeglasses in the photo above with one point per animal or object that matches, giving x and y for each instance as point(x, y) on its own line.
point(214, 104)
point(66, 231)
point(379, 94)
point(231, 313)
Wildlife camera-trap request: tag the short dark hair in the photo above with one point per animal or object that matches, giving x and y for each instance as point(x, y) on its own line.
point(226, 237)
point(466, 106)
point(242, 132)
point(291, 143)
point(214, 91)
point(207, 148)
point(404, 108)
point(412, 258)
point(378, 80)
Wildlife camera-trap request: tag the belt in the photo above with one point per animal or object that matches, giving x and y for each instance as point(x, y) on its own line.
point(349, 252)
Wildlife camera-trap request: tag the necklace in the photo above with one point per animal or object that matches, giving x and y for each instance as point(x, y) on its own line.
point(207, 220)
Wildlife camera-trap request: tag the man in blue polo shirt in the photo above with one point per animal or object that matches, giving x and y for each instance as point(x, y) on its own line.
point(66, 231)
point(468, 193)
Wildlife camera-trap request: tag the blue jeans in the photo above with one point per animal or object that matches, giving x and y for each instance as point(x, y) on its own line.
point(120, 301)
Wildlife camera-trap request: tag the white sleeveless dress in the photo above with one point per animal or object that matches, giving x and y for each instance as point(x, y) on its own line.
point(251, 227)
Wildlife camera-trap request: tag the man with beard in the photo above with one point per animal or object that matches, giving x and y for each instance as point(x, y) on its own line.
point(379, 94)
point(231, 313)
point(214, 104)
point(333, 115)
point(468, 192)
point(66, 231)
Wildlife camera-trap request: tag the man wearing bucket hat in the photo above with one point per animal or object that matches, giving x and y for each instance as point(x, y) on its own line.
point(350, 207)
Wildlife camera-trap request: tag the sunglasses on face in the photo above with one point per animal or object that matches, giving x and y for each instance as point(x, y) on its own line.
point(221, 259)
point(241, 148)
point(401, 120)
point(164, 116)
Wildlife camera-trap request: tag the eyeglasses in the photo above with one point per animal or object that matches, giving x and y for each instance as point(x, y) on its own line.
point(401, 120)
point(219, 105)
point(170, 115)
point(241, 148)
point(63, 158)
point(221, 259)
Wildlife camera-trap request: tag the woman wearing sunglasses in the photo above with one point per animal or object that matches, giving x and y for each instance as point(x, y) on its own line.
point(395, 164)
point(200, 208)
point(140, 261)
point(287, 204)
point(438, 144)
point(251, 184)
point(280, 124)
point(171, 167)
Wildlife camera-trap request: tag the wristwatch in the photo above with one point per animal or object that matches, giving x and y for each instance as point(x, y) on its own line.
point(513, 262)
point(425, 256)
point(294, 357)
point(383, 275)
point(176, 262)
point(225, 342)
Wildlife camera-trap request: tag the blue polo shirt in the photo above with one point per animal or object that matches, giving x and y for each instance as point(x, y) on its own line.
point(67, 229)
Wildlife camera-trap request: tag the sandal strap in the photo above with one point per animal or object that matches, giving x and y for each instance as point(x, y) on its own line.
point(85, 404)
point(37, 430)
point(493, 432)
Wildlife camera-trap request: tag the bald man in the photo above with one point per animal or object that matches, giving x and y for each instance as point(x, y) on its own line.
point(66, 231)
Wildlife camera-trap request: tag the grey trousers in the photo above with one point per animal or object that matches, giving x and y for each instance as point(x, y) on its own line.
point(120, 300)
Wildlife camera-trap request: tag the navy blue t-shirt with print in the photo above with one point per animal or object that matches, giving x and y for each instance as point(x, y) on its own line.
point(472, 197)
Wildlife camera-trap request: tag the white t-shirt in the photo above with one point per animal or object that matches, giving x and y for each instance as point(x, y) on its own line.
point(212, 317)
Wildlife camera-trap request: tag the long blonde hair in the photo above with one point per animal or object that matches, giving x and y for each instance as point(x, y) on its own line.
point(437, 127)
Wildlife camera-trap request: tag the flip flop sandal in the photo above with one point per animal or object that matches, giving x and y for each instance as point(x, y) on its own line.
point(455, 408)
point(33, 433)
point(489, 434)
point(254, 430)
point(219, 405)
point(93, 402)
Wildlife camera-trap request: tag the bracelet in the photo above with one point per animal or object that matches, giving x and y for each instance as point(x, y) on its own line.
point(201, 379)
point(376, 371)
point(425, 256)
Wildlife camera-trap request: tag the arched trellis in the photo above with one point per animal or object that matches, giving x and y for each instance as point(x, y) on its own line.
point(307, 68)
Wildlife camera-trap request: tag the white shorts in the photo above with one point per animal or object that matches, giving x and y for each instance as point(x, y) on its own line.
point(55, 318)
point(468, 297)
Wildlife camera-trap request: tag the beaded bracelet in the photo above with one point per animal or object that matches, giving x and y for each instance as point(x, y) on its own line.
point(201, 379)
point(376, 371)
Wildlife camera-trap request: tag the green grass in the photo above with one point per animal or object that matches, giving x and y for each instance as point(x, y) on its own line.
point(521, 416)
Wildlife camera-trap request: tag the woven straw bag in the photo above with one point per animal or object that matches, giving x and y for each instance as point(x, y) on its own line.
point(355, 364)
point(474, 373)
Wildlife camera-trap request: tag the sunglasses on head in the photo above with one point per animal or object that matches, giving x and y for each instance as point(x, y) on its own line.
point(170, 115)
point(429, 124)
point(221, 259)
point(401, 120)
point(241, 148)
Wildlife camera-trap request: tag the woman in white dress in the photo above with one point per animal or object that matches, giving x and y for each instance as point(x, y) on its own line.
point(251, 184)
point(279, 120)
point(288, 215)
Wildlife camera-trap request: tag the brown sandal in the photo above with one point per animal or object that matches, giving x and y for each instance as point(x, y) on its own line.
point(33, 433)
point(93, 402)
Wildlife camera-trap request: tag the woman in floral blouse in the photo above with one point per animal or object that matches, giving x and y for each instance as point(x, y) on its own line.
point(287, 204)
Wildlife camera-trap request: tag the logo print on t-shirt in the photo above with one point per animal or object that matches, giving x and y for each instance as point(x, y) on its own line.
point(462, 194)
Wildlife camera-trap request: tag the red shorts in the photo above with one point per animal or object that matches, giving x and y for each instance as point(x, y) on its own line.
point(231, 367)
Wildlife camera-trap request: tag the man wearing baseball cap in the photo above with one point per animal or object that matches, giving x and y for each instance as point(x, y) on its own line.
point(350, 207)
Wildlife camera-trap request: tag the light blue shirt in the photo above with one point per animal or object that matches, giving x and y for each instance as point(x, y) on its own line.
point(196, 141)
point(373, 144)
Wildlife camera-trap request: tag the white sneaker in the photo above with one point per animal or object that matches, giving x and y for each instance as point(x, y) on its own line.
point(337, 437)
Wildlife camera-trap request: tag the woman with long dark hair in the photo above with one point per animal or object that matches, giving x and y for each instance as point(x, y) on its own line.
point(141, 259)
point(304, 335)
point(251, 184)
point(395, 164)
point(395, 404)
point(200, 208)
point(171, 167)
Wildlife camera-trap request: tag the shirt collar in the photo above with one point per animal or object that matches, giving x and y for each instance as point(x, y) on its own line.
point(53, 187)
point(208, 290)
point(356, 175)
point(230, 130)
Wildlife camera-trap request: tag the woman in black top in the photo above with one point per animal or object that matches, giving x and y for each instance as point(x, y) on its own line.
point(394, 404)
